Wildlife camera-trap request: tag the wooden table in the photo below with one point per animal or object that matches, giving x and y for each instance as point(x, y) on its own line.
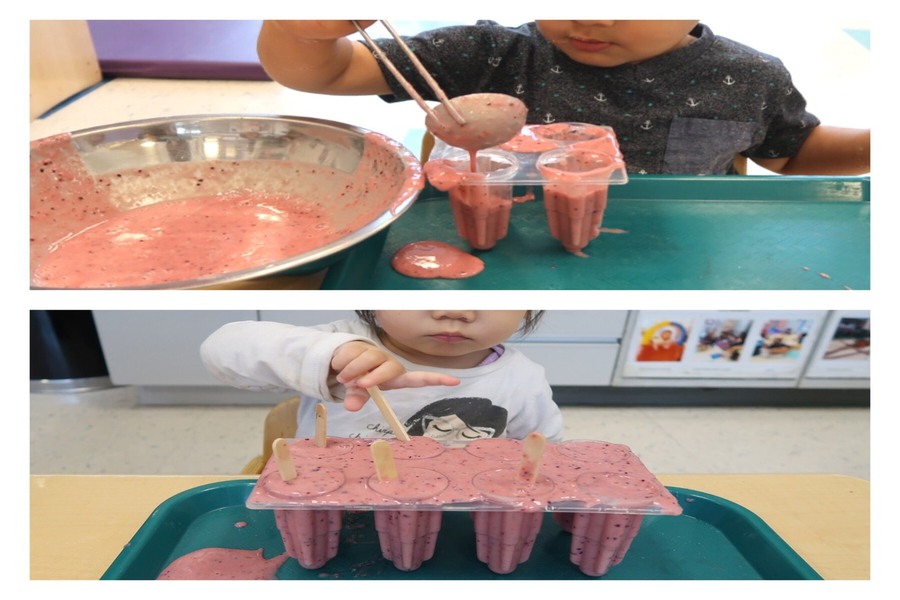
point(80, 523)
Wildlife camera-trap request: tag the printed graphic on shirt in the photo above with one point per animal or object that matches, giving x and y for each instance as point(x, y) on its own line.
point(459, 420)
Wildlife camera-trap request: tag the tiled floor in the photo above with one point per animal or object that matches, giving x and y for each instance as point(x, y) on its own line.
point(109, 432)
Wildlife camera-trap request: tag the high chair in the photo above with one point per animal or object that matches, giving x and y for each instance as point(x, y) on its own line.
point(280, 422)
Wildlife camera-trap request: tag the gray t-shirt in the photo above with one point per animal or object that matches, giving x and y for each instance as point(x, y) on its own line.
point(686, 112)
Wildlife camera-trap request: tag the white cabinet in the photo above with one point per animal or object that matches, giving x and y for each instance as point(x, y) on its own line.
point(576, 347)
point(158, 350)
point(160, 347)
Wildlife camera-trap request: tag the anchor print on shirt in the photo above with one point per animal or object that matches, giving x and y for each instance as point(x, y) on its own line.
point(494, 61)
point(438, 42)
point(556, 69)
point(520, 89)
point(646, 125)
point(692, 103)
point(548, 118)
point(601, 97)
point(729, 80)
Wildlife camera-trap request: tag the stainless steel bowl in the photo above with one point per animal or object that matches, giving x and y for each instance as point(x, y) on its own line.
point(362, 180)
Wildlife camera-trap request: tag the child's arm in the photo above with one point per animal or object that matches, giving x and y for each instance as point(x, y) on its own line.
point(827, 151)
point(276, 357)
point(359, 365)
point(316, 56)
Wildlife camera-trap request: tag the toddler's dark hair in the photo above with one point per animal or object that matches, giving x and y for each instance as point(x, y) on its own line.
point(529, 323)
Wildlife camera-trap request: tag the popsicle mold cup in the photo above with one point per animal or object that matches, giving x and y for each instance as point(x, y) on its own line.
point(311, 536)
point(573, 200)
point(600, 540)
point(481, 200)
point(407, 537)
point(504, 538)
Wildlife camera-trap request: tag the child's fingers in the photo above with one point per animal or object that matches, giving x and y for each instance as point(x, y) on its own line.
point(378, 376)
point(416, 379)
point(356, 395)
point(355, 398)
point(350, 362)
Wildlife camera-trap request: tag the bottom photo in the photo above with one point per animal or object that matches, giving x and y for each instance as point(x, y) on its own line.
point(450, 444)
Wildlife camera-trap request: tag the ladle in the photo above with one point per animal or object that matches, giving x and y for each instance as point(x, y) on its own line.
point(471, 122)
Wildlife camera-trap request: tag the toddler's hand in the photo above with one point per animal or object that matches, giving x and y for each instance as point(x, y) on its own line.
point(360, 365)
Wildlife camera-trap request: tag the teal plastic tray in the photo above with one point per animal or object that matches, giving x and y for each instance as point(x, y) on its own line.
point(712, 539)
point(697, 233)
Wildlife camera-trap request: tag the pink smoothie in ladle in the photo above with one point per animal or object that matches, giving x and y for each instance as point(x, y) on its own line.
point(489, 120)
point(472, 122)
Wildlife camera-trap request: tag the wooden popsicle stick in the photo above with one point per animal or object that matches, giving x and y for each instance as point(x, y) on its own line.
point(321, 425)
point(388, 413)
point(533, 452)
point(283, 457)
point(383, 457)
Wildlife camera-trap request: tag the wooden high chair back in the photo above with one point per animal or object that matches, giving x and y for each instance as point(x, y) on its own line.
point(280, 422)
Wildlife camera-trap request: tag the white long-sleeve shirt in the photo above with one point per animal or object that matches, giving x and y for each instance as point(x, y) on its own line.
point(509, 397)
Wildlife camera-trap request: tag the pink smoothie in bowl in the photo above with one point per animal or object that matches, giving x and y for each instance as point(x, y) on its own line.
point(195, 202)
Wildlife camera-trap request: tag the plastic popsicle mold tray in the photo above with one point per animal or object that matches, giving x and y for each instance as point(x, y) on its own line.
point(565, 152)
point(574, 476)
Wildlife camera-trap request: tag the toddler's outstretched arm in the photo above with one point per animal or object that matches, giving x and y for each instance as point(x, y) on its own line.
point(827, 151)
point(316, 56)
point(359, 365)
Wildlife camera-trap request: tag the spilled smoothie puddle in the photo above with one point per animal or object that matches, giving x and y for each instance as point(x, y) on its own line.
point(433, 260)
point(224, 563)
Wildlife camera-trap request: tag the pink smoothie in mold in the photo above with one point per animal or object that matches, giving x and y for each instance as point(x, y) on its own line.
point(311, 536)
point(417, 447)
point(528, 141)
point(506, 449)
point(600, 540)
point(599, 138)
point(409, 537)
point(481, 201)
point(603, 487)
point(575, 194)
point(504, 538)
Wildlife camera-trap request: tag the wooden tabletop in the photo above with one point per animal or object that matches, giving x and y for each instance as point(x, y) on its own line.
point(80, 523)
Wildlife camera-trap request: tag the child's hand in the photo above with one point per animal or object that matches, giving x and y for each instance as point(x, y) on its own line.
point(317, 56)
point(360, 365)
point(316, 30)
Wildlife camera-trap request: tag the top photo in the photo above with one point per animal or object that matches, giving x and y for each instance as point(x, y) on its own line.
point(705, 154)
